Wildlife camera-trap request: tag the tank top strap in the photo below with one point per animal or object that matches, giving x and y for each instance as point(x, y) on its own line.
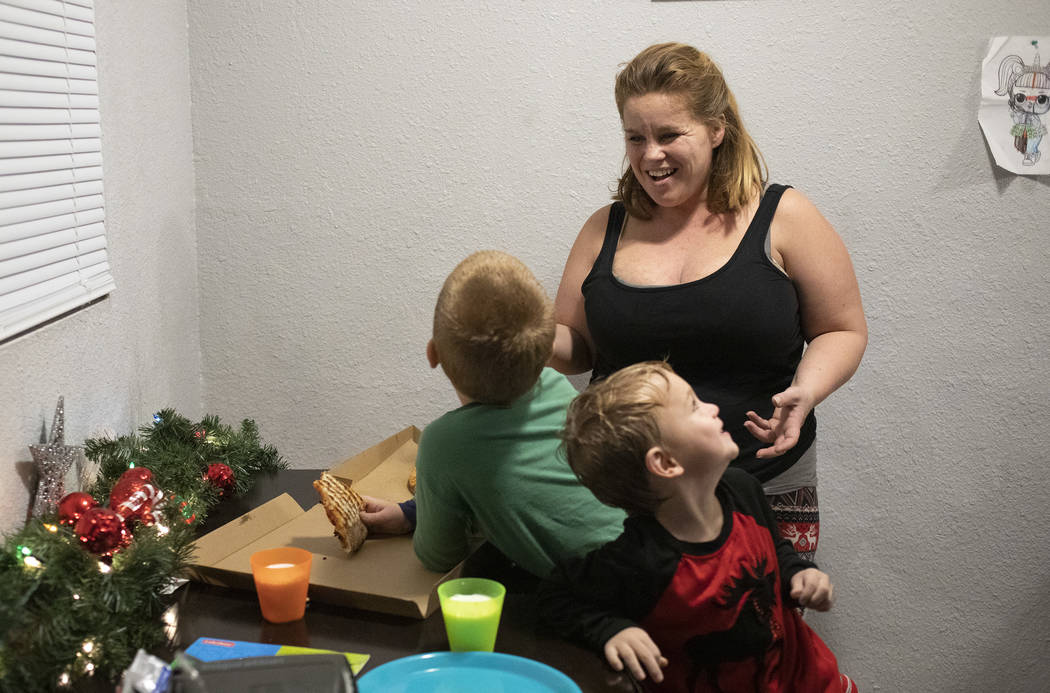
point(617, 213)
point(758, 231)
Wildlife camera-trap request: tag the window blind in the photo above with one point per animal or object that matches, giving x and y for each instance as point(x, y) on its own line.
point(52, 234)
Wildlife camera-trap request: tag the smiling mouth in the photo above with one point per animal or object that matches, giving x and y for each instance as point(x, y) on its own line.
point(662, 173)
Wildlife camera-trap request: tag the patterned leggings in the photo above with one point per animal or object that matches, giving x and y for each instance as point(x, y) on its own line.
point(798, 517)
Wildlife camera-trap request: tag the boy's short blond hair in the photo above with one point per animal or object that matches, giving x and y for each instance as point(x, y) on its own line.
point(493, 327)
point(609, 429)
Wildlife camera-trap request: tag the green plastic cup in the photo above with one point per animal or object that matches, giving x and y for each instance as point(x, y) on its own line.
point(471, 608)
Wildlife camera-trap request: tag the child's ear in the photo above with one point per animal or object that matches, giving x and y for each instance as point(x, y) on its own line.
point(659, 462)
point(432, 354)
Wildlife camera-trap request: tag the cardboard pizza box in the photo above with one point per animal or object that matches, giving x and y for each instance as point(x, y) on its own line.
point(384, 575)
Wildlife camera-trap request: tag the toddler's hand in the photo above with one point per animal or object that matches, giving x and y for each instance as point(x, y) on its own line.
point(812, 589)
point(633, 647)
point(384, 517)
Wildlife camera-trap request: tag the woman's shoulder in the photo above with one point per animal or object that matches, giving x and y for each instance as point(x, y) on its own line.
point(795, 207)
point(589, 241)
point(797, 223)
point(598, 221)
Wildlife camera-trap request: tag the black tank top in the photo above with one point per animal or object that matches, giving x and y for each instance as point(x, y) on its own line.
point(734, 335)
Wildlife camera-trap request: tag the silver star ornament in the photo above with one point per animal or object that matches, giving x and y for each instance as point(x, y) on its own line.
point(53, 459)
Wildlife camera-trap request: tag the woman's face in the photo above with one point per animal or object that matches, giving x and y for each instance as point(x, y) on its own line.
point(669, 150)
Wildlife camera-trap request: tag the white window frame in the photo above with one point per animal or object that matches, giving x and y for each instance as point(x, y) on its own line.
point(53, 255)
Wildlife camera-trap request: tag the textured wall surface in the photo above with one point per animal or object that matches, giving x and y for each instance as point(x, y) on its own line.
point(139, 350)
point(349, 154)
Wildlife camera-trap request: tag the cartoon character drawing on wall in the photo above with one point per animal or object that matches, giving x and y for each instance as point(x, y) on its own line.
point(1028, 87)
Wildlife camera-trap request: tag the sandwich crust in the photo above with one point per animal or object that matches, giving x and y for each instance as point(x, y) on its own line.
point(342, 504)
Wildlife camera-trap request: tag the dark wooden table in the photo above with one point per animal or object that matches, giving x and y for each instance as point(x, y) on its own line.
point(210, 611)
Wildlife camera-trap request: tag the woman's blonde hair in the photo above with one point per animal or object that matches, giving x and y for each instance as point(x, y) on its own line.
point(493, 327)
point(609, 429)
point(738, 171)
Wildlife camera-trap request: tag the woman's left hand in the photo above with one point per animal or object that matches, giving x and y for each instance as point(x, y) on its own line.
point(781, 430)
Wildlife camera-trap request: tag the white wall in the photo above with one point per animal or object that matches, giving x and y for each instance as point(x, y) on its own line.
point(349, 154)
point(139, 350)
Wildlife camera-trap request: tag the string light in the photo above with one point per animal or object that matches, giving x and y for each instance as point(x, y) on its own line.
point(87, 648)
point(170, 618)
point(63, 680)
point(28, 559)
point(162, 530)
point(51, 528)
point(103, 568)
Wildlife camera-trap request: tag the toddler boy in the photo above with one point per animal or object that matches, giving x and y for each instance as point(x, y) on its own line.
point(492, 466)
point(699, 592)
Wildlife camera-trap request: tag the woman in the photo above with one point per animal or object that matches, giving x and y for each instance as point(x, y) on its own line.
point(748, 292)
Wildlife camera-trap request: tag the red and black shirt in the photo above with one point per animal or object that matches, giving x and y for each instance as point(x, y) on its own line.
point(718, 610)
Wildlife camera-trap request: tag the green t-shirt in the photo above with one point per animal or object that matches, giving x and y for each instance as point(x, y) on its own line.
point(498, 472)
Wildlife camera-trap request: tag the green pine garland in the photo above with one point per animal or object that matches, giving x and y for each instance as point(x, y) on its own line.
point(64, 617)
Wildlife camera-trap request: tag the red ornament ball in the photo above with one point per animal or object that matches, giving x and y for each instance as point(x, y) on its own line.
point(137, 473)
point(134, 497)
point(73, 505)
point(101, 531)
point(221, 477)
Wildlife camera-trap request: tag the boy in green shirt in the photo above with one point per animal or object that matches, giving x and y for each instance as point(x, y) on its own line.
point(492, 466)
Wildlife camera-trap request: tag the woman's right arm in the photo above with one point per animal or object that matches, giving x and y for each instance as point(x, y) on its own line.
point(573, 348)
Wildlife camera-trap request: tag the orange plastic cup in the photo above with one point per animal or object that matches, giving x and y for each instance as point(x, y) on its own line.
point(282, 578)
